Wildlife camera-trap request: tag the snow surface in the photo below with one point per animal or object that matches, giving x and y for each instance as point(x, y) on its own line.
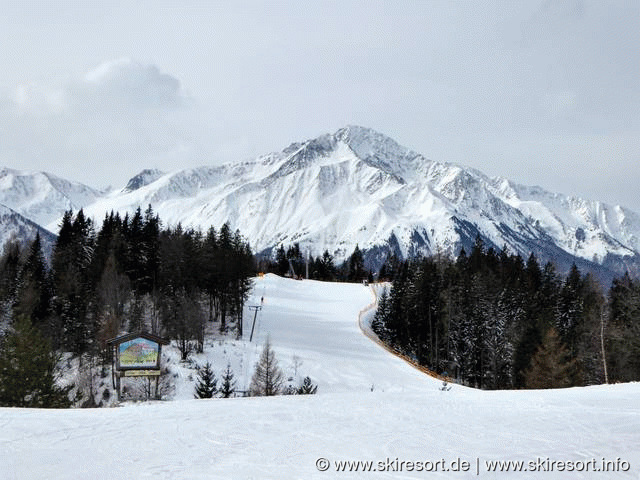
point(406, 417)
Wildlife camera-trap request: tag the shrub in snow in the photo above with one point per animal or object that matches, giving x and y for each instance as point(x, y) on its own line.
point(307, 388)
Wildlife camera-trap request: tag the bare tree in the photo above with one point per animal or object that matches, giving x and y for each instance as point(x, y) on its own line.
point(267, 379)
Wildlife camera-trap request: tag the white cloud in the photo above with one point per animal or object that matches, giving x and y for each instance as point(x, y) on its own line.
point(132, 84)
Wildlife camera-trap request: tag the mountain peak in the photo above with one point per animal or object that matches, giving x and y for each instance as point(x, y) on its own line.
point(145, 177)
point(382, 152)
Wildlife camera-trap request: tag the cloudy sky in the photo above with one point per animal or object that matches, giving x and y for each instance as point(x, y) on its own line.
point(542, 92)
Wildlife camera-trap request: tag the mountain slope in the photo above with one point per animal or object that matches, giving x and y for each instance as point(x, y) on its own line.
point(357, 186)
point(14, 226)
point(42, 197)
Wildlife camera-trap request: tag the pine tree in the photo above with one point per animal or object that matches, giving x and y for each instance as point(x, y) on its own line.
point(267, 378)
point(307, 388)
point(28, 370)
point(207, 385)
point(228, 387)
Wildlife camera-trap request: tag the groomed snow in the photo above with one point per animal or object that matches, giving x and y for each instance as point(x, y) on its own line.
point(370, 406)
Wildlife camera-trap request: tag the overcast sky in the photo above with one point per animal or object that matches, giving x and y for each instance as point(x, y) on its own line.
point(542, 92)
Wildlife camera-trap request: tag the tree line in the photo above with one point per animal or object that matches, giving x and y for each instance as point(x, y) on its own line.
point(129, 275)
point(491, 320)
point(292, 261)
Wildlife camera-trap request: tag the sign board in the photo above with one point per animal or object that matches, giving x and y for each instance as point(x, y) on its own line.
point(138, 354)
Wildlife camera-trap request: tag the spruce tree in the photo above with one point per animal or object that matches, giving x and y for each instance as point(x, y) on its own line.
point(267, 378)
point(228, 387)
point(207, 385)
point(28, 370)
point(381, 317)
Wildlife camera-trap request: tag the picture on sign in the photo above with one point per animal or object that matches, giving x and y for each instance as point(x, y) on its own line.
point(138, 353)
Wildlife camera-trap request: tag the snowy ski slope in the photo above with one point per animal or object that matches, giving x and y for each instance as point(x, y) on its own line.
point(370, 407)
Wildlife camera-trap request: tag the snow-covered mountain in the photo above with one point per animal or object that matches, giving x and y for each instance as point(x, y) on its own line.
point(42, 197)
point(14, 226)
point(356, 186)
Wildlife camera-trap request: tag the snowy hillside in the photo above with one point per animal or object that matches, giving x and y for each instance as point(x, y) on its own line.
point(14, 226)
point(42, 197)
point(370, 407)
point(357, 186)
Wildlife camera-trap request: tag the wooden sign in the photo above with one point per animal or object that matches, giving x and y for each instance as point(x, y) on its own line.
point(136, 355)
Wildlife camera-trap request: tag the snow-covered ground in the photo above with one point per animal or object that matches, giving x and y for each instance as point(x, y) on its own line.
point(370, 407)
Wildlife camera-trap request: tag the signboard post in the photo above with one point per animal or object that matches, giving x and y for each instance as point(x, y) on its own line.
point(136, 355)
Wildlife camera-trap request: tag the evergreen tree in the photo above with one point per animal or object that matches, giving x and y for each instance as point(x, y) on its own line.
point(550, 366)
point(28, 370)
point(389, 268)
point(381, 317)
point(307, 387)
point(72, 258)
point(295, 257)
point(228, 387)
point(9, 271)
point(267, 378)
point(357, 272)
point(33, 294)
point(150, 250)
point(207, 385)
point(623, 332)
point(570, 309)
point(397, 325)
point(211, 274)
point(282, 264)
point(326, 270)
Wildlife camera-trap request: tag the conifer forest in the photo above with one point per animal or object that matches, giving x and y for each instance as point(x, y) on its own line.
point(492, 320)
point(486, 319)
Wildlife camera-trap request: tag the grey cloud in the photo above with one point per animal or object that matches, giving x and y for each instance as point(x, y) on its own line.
point(122, 112)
